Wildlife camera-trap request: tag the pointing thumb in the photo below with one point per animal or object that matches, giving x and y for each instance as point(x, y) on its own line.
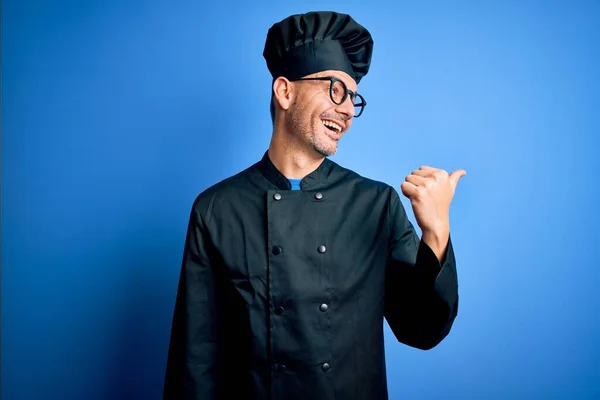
point(455, 176)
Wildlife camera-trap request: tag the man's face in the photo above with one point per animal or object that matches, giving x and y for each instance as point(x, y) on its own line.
point(314, 118)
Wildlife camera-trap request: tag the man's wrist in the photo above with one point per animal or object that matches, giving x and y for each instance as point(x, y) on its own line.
point(437, 240)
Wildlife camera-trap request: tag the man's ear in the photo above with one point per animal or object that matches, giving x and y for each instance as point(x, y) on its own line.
point(283, 92)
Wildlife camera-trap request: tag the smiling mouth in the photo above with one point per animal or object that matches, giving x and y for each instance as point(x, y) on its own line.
point(332, 126)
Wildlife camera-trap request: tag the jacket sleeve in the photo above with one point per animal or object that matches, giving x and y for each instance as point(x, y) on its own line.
point(421, 294)
point(192, 370)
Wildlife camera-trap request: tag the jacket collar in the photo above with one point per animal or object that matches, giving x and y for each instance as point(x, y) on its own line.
point(273, 175)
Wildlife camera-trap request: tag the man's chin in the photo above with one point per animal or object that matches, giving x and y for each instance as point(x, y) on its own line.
point(325, 152)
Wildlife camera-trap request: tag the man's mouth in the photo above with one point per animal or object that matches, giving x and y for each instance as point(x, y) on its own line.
point(332, 126)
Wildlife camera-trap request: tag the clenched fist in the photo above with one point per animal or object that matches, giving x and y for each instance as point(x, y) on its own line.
point(430, 191)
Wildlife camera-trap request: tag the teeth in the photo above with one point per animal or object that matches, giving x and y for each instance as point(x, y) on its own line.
point(332, 125)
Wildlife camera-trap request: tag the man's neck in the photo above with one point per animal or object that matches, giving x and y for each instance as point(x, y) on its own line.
point(291, 160)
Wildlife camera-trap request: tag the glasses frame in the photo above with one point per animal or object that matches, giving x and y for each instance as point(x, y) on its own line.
point(353, 95)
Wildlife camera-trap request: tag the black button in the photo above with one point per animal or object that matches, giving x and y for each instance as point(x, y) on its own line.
point(323, 307)
point(318, 195)
point(279, 367)
point(278, 310)
point(277, 196)
point(322, 249)
point(277, 250)
point(325, 367)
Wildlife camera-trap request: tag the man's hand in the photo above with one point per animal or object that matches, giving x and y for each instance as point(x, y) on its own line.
point(430, 191)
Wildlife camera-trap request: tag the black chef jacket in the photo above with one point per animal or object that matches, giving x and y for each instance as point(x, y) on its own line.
point(283, 294)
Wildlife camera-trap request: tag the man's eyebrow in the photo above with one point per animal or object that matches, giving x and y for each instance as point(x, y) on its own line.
point(343, 79)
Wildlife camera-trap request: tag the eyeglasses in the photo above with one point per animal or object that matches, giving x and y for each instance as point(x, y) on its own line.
point(338, 91)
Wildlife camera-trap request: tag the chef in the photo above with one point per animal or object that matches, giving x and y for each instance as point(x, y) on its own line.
point(291, 266)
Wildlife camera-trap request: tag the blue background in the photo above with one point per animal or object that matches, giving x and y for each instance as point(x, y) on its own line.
point(115, 115)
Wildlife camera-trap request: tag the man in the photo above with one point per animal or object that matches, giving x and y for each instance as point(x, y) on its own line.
point(291, 266)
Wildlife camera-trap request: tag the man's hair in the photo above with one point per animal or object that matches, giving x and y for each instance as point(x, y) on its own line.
point(272, 107)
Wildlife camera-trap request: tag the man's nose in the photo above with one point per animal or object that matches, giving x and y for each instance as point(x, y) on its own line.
point(346, 108)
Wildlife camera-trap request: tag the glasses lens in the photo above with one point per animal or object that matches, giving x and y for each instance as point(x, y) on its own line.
point(338, 90)
point(359, 105)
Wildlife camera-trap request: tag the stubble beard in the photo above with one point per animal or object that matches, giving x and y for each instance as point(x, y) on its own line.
point(298, 124)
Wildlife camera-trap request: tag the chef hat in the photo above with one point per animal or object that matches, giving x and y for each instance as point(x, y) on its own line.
point(303, 44)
